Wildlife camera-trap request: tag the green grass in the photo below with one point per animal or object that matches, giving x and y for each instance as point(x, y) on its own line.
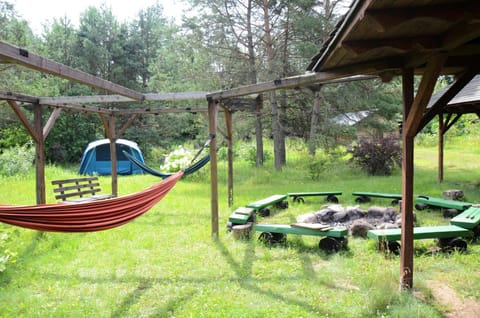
point(166, 264)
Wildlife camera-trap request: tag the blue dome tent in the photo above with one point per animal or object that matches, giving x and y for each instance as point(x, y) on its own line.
point(96, 158)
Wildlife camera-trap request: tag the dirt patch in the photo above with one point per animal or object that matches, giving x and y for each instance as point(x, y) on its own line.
point(454, 306)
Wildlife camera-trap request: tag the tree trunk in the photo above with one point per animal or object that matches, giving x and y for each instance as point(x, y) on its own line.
point(312, 147)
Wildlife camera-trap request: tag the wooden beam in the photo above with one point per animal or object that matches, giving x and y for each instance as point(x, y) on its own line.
point(19, 97)
point(406, 252)
point(212, 126)
point(447, 96)
point(127, 125)
point(25, 58)
point(23, 118)
point(461, 33)
point(98, 99)
point(51, 121)
point(399, 44)
point(342, 74)
point(228, 124)
point(39, 155)
point(423, 95)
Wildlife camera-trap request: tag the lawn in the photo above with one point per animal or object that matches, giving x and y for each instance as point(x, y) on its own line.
point(166, 264)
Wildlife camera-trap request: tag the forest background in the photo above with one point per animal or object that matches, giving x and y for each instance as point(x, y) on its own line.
point(229, 43)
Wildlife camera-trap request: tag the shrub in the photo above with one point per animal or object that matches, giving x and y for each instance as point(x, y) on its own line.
point(6, 255)
point(17, 160)
point(177, 160)
point(378, 156)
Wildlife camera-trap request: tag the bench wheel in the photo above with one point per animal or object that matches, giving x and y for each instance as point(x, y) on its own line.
point(476, 231)
point(453, 244)
point(395, 202)
point(282, 204)
point(272, 238)
point(332, 244)
point(229, 226)
point(421, 206)
point(332, 198)
point(362, 199)
point(389, 247)
point(264, 212)
point(298, 199)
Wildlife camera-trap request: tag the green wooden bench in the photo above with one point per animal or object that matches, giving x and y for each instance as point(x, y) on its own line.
point(334, 239)
point(424, 201)
point(331, 196)
point(468, 219)
point(277, 200)
point(242, 215)
point(448, 236)
point(364, 197)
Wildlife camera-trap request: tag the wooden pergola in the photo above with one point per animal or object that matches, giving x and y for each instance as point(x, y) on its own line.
point(384, 38)
point(391, 38)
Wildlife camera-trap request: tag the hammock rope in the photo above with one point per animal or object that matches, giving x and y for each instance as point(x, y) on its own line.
point(88, 216)
point(189, 170)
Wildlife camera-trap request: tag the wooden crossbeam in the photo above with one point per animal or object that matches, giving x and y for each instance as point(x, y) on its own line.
point(16, 55)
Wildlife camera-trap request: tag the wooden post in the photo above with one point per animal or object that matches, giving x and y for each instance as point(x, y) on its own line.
point(259, 131)
point(212, 125)
point(228, 122)
point(39, 155)
point(440, 147)
point(406, 257)
point(113, 154)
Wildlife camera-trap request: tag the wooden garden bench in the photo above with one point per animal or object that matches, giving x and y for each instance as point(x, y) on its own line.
point(364, 197)
point(331, 196)
point(242, 215)
point(277, 200)
point(334, 239)
point(468, 219)
point(424, 201)
point(78, 190)
point(447, 234)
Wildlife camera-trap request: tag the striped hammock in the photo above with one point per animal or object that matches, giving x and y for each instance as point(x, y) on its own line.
point(87, 216)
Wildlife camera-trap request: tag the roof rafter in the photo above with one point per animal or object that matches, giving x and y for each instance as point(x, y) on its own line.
point(16, 55)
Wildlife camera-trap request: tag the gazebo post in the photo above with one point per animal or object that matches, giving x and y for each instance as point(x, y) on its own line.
point(228, 123)
point(39, 154)
point(441, 139)
point(406, 257)
point(212, 125)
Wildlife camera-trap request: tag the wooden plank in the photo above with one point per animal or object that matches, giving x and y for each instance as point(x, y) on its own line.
point(468, 219)
point(378, 195)
point(51, 122)
point(443, 203)
point(23, 118)
point(420, 233)
point(257, 205)
point(19, 97)
point(312, 194)
point(25, 58)
point(337, 232)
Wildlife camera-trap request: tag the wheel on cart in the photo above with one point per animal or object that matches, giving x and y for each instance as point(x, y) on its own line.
point(270, 238)
point(282, 204)
point(298, 199)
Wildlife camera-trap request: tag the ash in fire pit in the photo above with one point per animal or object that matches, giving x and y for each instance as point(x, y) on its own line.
point(357, 220)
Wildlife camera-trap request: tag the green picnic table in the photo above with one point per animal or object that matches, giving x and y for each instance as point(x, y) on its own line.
point(331, 196)
point(334, 239)
point(468, 219)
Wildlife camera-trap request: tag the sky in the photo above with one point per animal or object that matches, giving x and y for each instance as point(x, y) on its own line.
point(39, 12)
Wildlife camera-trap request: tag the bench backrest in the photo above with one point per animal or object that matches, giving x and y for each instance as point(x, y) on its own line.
point(79, 187)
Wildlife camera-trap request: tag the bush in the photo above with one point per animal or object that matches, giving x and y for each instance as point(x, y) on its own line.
point(378, 156)
point(6, 255)
point(17, 160)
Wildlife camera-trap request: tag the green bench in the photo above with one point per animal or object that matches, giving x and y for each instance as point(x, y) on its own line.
point(424, 201)
point(334, 239)
point(242, 215)
point(331, 196)
point(364, 197)
point(276, 200)
point(448, 236)
point(468, 219)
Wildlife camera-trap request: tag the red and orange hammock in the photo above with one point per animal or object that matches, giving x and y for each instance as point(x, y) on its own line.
point(88, 216)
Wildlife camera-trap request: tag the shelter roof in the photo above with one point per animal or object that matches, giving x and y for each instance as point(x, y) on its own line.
point(381, 36)
point(468, 96)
